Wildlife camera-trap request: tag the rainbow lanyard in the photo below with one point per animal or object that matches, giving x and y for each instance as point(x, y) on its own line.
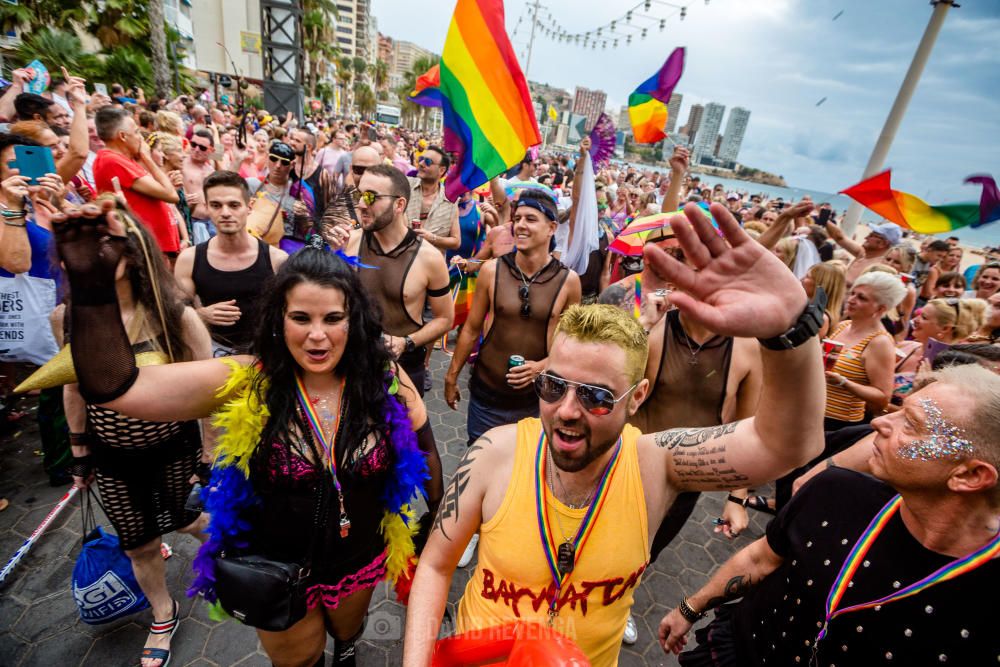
point(329, 445)
point(554, 555)
point(954, 569)
point(638, 295)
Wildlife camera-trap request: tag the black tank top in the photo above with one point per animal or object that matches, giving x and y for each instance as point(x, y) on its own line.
point(245, 285)
point(512, 334)
point(689, 389)
point(385, 283)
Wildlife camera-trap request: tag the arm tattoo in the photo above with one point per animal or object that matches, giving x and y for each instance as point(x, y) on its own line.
point(449, 504)
point(735, 588)
point(700, 461)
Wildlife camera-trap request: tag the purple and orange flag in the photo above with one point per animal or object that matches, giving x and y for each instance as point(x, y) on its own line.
point(911, 212)
point(427, 89)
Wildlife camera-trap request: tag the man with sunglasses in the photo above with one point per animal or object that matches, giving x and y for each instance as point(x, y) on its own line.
point(436, 217)
point(197, 165)
point(356, 162)
point(279, 188)
point(597, 489)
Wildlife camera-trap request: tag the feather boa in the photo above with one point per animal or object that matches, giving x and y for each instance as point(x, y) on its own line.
point(230, 492)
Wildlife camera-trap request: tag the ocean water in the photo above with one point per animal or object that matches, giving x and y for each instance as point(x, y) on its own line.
point(988, 235)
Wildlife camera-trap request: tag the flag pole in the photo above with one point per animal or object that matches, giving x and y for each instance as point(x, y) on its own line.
point(906, 90)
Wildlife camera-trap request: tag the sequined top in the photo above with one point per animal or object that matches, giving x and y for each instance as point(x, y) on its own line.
point(777, 623)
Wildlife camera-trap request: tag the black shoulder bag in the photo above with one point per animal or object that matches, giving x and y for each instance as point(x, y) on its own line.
point(264, 593)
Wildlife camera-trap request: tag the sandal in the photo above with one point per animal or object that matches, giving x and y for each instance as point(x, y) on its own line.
point(168, 627)
point(761, 504)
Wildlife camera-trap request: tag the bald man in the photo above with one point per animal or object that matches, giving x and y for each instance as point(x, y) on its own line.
point(351, 166)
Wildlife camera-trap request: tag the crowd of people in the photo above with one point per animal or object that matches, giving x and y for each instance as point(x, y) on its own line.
point(293, 277)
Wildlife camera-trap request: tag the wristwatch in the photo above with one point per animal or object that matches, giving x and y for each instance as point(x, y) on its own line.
point(408, 344)
point(807, 326)
point(689, 614)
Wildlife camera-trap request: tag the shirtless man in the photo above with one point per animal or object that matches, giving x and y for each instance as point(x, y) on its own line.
point(409, 273)
point(225, 276)
point(869, 252)
point(593, 381)
point(197, 165)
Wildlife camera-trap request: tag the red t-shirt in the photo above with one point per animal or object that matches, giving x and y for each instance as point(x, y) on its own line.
point(154, 213)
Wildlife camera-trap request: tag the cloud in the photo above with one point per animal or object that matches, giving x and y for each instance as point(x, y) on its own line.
point(822, 83)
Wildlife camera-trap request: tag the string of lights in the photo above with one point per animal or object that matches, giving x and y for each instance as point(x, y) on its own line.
point(637, 22)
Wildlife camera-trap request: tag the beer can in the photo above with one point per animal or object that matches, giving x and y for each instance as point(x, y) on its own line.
point(514, 360)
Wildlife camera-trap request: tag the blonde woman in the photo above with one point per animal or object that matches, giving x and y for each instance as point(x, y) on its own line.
point(829, 276)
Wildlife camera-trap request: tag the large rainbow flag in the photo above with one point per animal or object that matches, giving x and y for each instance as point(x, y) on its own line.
point(427, 88)
point(489, 119)
point(647, 105)
point(910, 211)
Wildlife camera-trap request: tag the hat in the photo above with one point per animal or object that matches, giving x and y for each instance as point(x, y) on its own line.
point(890, 231)
point(731, 196)
point(282, 150)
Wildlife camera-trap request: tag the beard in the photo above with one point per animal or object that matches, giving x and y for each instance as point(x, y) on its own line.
point(381, 221)
point(580, 460)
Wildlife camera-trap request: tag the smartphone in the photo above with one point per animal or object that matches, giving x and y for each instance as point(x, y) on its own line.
point(824, 216)
point(32, 162)
point(372, 134)
point(933, 348)
point(101, 88)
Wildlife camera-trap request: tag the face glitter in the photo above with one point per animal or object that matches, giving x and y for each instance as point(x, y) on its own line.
point(945, 442)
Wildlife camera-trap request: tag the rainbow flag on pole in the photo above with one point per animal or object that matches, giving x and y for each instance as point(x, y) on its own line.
point(427, 89)
point(647, 105)
point(489, 118)
point(910, 211)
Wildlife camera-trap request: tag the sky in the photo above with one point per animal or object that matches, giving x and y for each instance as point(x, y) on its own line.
point(778, 58)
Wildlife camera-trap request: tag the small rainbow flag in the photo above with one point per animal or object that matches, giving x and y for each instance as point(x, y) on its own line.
point(427, 89)
point(647, 105)
point(489, 118)
point(910, 211)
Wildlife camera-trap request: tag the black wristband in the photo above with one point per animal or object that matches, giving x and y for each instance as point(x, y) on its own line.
point(806, 326)
point(742, 502)
point(204, 472)
point(81, 466)
point(689, 614)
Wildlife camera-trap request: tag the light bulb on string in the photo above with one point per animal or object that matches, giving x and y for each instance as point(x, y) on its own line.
point(663, 24)
point(684, 11)
point(613, 23)
point(648, 5)
point(628, 40)
point(616, 44)
point(628, 16)
point(644, 33)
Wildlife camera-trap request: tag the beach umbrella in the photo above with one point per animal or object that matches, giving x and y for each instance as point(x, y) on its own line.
point(630, 240)
point(661, 221)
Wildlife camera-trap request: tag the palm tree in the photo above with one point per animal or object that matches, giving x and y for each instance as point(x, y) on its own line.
point(418, 69)
point(118, 22)
point(364, 99)
point(127, 64)
point(345, 75)
point(379, 71)
point(318, 40)
point(158, 43)
point(55, 46)
point(37, 15)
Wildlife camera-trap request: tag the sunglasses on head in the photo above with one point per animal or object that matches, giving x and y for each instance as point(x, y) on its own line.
point(597, 401)
point(283, 161)
point(358, 169)
point(201, 147)
point(367, 196)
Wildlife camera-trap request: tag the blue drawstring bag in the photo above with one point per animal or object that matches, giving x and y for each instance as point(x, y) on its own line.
point(104, 585)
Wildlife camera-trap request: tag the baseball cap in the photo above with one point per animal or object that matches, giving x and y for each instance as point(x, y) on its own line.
point(731, 196)
point(280, 149)
point(890, 231)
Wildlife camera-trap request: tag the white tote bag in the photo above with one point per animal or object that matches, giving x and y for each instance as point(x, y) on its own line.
point(25, 305)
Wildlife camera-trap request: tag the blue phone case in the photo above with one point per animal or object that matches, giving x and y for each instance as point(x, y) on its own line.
point(33, 162)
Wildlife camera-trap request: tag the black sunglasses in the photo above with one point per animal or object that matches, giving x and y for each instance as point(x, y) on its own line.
point(283, 161)
point(359, 170)
point(524, 292)
point(597, 401)
point(202, 147)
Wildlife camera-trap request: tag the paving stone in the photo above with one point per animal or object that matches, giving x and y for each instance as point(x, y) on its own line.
point(120, 648)
point(47, 617)
point(12, 649)
point(231, 642)
point(66, 648)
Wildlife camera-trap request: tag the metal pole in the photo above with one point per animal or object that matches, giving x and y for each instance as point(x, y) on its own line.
point(531, 39)
point(881, 150)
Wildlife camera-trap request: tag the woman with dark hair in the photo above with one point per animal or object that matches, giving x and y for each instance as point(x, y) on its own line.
point(144, 469)
point(317, 461)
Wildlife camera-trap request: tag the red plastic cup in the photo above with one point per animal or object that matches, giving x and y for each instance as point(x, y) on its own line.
point(831, 352)
point(907, 278)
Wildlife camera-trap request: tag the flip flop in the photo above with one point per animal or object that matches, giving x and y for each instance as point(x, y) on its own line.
point(168, 627)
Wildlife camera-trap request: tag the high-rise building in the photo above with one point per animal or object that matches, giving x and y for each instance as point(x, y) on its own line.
point(624, 122)
point(589, 103)
point(352, 28)
point(711, 121)
point(736, 128)
point(406, 55)
point(673, 111)
point(694, 121)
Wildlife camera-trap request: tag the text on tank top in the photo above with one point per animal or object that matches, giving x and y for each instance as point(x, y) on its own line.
point(512, 580)
point(686, 394)
point(386, 282)
point(245, 285)
point(512, 334)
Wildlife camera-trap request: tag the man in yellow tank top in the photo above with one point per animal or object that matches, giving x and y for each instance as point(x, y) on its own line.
point(564, 505)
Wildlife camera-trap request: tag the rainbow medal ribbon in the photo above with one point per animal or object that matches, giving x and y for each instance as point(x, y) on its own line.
point(329, 444)
point(955, 568)
point(637, 310)
point(562, 561)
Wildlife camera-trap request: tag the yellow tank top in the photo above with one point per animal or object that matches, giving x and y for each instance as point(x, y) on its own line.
point(840, 403)
point(512, 580)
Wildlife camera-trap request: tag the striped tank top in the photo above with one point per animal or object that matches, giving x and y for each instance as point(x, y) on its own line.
point(840, 403)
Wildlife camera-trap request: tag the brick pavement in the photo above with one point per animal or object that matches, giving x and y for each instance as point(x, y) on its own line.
point(38, 618)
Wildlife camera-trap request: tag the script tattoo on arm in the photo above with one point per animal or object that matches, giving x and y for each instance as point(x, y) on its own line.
point(735, 588)
point(700, 461)
point(449, 504)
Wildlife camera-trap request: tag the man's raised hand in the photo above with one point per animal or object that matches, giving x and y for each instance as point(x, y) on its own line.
point(734, 289)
